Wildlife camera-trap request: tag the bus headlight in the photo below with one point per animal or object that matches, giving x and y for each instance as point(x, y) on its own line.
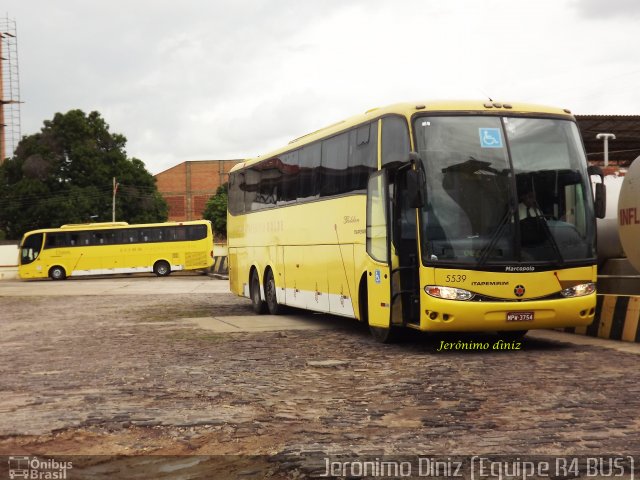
point(448, 293)
point(579, 290)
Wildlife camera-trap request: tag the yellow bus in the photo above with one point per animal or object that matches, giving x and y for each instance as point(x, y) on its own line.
point(435, 216)
point(115, 248)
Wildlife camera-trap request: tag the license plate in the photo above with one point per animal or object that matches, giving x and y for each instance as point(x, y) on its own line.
point(519, 316)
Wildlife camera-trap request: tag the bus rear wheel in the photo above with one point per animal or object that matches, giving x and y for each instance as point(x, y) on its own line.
point(270, 293)
point(57, 273)
point(161, 268)
point(259, 305)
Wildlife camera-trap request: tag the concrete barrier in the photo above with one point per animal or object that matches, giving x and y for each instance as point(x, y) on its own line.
point(617, 318)
point(220, 266)
point(8, 261)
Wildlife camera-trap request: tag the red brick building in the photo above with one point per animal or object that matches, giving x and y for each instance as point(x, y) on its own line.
point(188, 186)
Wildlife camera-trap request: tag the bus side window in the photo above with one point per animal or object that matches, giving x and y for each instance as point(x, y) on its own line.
point(395, 140)
point(85, 238)
point(236, 193)
point(197, 232)
point(155, 235)
point(54, 240)
point(289, 168)
point(180, 233)
point(252, 184)
point(310, 174)
point(335, 163)
point(269, 183)
point(363, 155)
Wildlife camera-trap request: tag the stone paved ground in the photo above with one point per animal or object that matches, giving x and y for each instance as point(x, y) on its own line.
point(127, 375)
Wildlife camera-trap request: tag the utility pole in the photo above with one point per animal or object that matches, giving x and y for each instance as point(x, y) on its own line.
point(113, 202)
point(606, 137)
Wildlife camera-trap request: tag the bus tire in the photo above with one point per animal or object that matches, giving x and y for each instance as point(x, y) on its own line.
point(270, 294)
point(161, 268)
point(259, 305)
point(384, 335)
point(57, 273)
point(510, 335)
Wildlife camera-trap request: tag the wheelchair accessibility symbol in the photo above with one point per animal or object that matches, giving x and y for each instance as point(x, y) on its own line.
point(490, 137)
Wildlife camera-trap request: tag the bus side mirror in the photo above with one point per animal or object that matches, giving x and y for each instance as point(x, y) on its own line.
point(415, 189)
point(600, 202)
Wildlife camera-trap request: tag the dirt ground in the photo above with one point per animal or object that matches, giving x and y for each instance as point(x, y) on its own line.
point(128, 375)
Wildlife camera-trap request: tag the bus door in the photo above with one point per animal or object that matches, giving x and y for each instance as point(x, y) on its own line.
point(405, 273)
point(381, 315)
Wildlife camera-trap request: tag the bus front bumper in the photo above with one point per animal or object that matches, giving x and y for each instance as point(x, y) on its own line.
point(441, 315)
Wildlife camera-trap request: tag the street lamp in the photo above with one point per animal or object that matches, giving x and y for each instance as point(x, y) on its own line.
point(606, 137)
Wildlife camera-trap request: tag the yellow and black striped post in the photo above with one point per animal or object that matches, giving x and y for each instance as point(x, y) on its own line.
point(617, 318)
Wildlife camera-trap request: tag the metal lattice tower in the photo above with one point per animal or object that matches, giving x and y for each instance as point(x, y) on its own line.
point(9, 89)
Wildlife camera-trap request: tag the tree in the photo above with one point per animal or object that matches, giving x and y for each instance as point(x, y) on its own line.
point(216, 211)
point(64, 174)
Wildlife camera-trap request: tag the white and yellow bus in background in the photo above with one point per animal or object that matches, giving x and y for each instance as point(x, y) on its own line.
point(442, 216)
point(115, 248)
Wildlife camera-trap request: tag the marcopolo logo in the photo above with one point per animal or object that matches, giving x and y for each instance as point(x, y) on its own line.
point(38, 469)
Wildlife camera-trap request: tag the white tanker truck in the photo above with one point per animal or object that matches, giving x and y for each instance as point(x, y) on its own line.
point(619, 235)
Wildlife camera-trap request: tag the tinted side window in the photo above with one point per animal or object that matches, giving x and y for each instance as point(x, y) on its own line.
point(105, 237)
point(55, 240)
point(268, 184)
point(289, 178)
point(79, 239)
point(178, 233)
point(335, 163)
point(157, 234)
point(251, 185)
point(197, 232)
point(236, 194)
point(363, 155)
point(309, 174)
point(395, 140)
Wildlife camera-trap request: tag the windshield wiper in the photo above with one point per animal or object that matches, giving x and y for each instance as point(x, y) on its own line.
point(484, 254)
point(552, 240)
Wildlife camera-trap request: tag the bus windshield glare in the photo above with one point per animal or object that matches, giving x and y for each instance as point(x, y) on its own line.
point(504, 190)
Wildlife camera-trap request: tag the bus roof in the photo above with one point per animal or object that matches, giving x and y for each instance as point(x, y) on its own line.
point(409, 108)
point(112, 225)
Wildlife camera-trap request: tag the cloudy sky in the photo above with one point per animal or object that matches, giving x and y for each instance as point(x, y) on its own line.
point(194, 80)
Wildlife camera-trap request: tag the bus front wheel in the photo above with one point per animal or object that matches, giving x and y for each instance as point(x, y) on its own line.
point(161, 268)
point(57, 273)
point(384, 335)
point(511, 335)
point(259, 305)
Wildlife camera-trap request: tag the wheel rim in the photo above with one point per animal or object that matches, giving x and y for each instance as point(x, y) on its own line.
point(162, 268)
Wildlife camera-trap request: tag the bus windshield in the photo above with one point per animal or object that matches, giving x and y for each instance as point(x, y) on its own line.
point(503, 190)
